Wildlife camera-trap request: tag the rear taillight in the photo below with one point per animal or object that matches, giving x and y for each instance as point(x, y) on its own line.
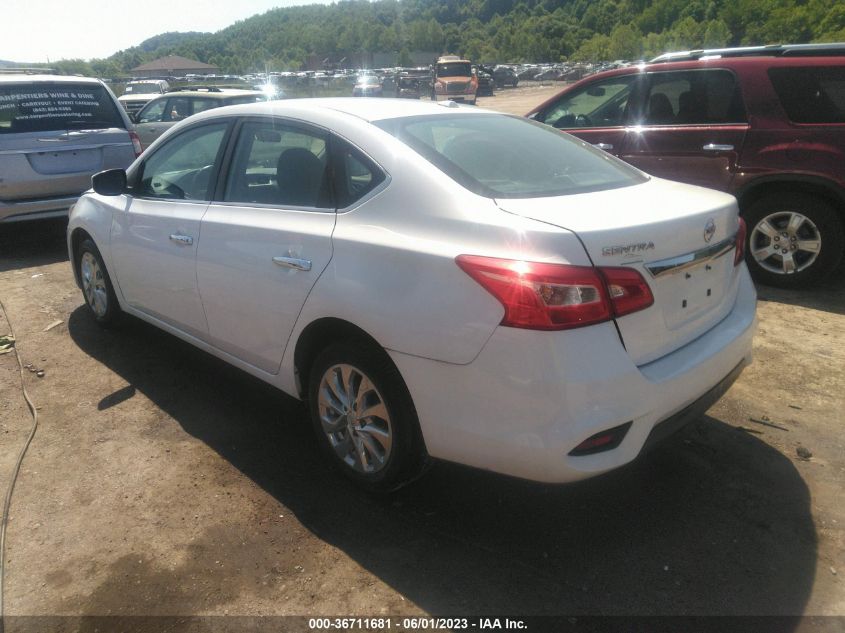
point(739, 253)
point(541, 296)
point(628, 291)
point(136, 143)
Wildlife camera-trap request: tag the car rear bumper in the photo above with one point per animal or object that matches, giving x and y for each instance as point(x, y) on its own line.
point(530, 397)
point(25, 210)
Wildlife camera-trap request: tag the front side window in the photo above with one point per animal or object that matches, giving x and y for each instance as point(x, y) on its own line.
point(501, 156)
point(602, 104)
point(699, 97)
point(47, 107)
point(153, 113)
point(178, 108)
point(181, 168)
point(811, 95)
point(276, 163)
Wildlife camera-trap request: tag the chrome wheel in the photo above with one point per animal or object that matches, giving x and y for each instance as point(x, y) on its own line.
point(785, 242)
point(354, 418)
point(94, 284)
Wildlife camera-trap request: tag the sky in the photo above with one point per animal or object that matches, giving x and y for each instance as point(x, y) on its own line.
point(36, 31)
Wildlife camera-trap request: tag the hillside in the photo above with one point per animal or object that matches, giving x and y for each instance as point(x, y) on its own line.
point(488, 31)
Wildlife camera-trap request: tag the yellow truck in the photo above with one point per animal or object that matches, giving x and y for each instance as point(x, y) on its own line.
point(454, 79)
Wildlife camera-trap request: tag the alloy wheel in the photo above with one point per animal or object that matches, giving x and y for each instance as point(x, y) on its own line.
point(785, 242)
point(355, 419)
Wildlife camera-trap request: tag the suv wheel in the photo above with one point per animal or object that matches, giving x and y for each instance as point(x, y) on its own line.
point(364, 418)
point(793, 240)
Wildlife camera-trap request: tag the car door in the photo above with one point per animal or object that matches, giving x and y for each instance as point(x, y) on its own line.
point(154, 240)
point(596, 112)
point(690, 127)
point(266, 238)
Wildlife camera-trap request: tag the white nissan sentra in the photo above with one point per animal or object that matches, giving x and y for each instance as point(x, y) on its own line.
point(435, 281)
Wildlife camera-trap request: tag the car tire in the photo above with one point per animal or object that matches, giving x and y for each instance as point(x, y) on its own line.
point(811, 231)
point(381, 451)
point(97, 289)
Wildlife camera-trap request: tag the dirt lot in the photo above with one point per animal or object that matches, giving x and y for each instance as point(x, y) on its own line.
point(163, 482)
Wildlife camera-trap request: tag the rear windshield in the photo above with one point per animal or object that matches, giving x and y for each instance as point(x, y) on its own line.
point(502, 156)
point(142, 89)
point(56, 106)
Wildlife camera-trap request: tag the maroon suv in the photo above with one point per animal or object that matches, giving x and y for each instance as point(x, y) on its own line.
point(766, 124)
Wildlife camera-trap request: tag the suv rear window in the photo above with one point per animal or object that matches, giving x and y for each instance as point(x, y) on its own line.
point(44, 107)
point(502, 156)
point(811, 94)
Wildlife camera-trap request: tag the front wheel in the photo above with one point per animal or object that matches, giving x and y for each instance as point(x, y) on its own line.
point(793, 240)
point(97, 288)
point(364, 418)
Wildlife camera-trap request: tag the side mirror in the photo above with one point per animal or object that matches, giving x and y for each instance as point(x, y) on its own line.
point(111, 182)
point(598, 91)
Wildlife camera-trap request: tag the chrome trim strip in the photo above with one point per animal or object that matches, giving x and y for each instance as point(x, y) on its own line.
point(676, 264)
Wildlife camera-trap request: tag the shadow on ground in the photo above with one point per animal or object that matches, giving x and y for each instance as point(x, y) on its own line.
point(713, 521)
point(30, 244)
point(827, 296)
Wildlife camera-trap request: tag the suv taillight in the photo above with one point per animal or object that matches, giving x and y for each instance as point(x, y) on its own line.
point(741, 232)
point(541, 296)
point(136, 143)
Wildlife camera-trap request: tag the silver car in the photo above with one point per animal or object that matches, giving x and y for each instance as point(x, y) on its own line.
point(55, 133)
point(165, 111)
point(138, 93)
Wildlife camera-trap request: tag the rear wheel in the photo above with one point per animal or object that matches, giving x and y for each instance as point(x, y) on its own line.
point(97, 288)
point(363, 416)
point(793, 240)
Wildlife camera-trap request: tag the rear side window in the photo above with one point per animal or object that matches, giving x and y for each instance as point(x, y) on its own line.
point(46, 107)
point(699, 97)
point(278, 164)
point(811, 95)
point(355, 175)
point(501, 156)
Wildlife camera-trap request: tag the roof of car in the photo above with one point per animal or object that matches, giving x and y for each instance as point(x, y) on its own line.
point(19, 78)
point(366, 109)
point(215, 93)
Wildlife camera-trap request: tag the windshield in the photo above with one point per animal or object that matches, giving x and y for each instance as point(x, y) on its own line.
point(43, 107)
point(454, 69)
point(368, 80)
point(502, 156)
point(142, 89)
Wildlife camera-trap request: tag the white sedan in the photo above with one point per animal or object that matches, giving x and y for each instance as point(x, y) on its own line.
point(435, 281)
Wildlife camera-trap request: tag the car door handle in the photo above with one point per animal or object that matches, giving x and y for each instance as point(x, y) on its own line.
point(716, 147)
point(293, 262)
point(604, 146)
point(187, 240)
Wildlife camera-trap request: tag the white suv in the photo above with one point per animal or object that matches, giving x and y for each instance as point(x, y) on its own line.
point(434, 280)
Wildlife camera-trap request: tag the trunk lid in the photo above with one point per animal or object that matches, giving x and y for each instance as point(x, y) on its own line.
point(677, 236)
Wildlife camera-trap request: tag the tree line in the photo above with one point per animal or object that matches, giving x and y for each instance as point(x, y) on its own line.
point(503, 31)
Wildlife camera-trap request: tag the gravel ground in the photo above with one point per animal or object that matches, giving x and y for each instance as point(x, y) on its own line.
point(163, 482)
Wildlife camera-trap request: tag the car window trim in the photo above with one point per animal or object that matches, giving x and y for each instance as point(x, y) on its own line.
point(136, 174)
point(646, 90)
point(228, 157)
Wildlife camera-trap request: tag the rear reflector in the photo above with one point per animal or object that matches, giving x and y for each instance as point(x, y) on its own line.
point(600, 442)
point(541, 296)
point(740, 242)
